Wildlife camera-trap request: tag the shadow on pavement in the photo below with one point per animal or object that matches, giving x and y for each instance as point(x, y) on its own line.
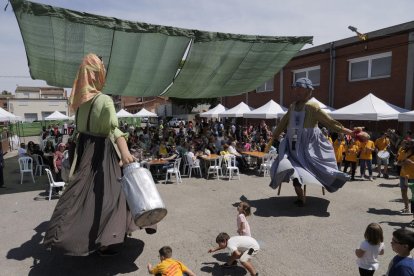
point(383, 212)
point(215, 269)
point(387, 185)
point(283, 206)
point(48, 263)
point(221, 257)
point(396, 200)
point(397, 225)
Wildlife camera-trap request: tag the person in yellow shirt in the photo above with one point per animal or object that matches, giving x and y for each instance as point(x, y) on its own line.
point(326, 134)
point(351, 157)
point(339, 150)
point(163, 152)
point(169, 266)
point(225, 150)
point(366, 148)
point(382, 144)
point(405, 152)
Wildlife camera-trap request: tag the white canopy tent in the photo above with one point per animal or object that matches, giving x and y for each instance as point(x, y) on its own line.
point(55, 116)
point(406, 116)
point(321, 105)
point(236, 111)
point(7, 116)
point(214, 112)
point(124, 114)
point(143, 113)
point(4, 118)
point(369, 108)
point(271, 110)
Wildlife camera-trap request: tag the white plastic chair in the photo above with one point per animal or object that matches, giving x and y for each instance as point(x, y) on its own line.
point(267, 162)
point(26, 166)
point(52, 183)
point(216, 169)
point(174, 170)
point(193, 164)
point(39, 164)
point(231, 167)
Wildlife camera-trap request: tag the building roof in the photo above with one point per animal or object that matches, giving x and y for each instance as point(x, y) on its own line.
point(393, 30)
point(39, 88)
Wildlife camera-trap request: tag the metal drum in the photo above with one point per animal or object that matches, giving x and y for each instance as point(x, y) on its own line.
point(383, 154)
point(143, 199)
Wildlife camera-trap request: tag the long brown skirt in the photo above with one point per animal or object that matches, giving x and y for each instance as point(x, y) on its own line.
point(92, 212)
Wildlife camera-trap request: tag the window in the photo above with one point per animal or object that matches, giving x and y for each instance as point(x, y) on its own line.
point(30, 117)
point(266, 87)
point(312, 73)
point(370, 67)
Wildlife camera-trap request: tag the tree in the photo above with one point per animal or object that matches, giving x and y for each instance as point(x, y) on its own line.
point(5, 92)
point(189, 104)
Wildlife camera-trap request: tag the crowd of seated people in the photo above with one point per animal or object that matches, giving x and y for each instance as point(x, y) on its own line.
point(201, 138)
point(51, 155)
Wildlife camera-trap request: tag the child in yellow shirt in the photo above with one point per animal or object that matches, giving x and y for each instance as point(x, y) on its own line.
point(406, 161)
point(339, 150)
point(365, 158)
point(351, 157)
point(169, 266)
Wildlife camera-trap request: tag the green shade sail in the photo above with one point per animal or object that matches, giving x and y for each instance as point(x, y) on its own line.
point(143, 59)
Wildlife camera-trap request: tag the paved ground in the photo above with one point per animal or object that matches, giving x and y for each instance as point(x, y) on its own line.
point(318, 239)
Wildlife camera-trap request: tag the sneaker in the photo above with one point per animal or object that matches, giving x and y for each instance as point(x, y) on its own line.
point(386, 176)
point(371, 179)
point(379, 175)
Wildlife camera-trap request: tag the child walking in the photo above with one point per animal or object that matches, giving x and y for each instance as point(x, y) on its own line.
point(168, 265)
point(243, 227)
point(370, 248)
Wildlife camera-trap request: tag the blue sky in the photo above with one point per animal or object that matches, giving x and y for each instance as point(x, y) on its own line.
point(325, 20)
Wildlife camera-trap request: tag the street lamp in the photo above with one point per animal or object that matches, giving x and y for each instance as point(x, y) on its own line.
point(362, 37)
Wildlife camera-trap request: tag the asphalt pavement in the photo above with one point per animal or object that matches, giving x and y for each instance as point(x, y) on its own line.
point(318, 239)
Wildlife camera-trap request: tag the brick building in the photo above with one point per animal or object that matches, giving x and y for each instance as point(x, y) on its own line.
point(346, 70)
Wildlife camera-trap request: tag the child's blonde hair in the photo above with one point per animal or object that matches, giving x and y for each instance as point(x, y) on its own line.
point(245, 208)
point(373, 234)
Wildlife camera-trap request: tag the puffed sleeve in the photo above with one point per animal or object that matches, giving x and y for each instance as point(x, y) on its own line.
point(113, 120)
point(282, 125)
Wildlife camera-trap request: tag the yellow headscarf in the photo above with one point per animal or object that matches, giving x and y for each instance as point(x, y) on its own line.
point(88, 82)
